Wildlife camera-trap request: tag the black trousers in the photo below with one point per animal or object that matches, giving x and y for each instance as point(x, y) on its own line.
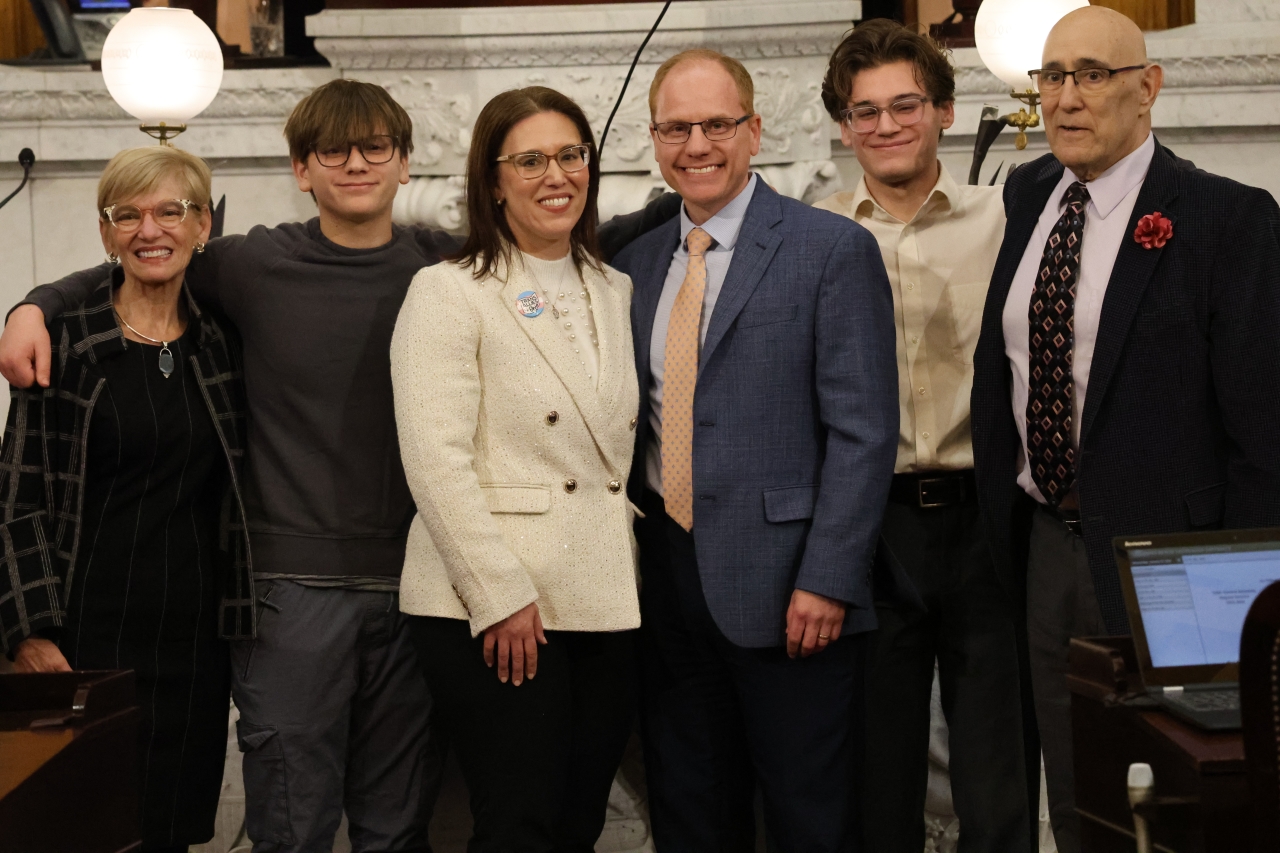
point(718, 719)
point(538, 759)
point(954, 610)
point(1061, 604)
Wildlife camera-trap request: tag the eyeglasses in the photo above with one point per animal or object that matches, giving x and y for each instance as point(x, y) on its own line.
point(375, 150)
point(1088, 79)
point(715, 129)
point(533, 164)
point(127, 218)
point(866, 118)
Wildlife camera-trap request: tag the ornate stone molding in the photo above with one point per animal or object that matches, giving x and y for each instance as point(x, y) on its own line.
point(573, 50)
point(433, 202)
point(789, 109)
point(628, 145)
point(441, 121)
point(1188, 72)
point(804, 180)
point(1180, 72)
point(96, 104)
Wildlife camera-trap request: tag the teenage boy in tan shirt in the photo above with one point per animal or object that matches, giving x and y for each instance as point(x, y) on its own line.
point(937, 593)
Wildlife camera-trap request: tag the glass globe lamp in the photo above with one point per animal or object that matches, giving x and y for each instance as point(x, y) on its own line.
point(163, 66)
point(1010, 36)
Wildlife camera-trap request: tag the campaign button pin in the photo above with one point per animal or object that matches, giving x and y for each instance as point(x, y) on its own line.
point(530, 304)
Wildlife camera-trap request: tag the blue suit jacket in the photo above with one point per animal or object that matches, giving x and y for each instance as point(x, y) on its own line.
point(1179, 425)
point(795, 413)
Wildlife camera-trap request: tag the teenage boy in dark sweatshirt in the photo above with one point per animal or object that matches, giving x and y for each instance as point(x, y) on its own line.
point(333, 707)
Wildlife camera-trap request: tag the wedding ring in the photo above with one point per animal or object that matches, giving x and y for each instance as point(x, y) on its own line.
point(824, 636)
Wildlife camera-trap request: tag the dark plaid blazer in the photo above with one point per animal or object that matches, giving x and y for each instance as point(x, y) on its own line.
point(42, 466)
point(1180, 426)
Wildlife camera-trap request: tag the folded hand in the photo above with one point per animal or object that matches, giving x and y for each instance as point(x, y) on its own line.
point(813, 622)
point(513, 642)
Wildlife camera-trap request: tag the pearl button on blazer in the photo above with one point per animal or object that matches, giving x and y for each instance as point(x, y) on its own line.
point(516, 460)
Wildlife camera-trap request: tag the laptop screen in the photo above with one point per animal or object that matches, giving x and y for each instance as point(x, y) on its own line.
point(1194, 598)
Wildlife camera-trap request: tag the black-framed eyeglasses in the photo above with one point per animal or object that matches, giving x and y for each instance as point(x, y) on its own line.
point(1087, 79)
point(533, 164)
point(168, 214)
point(715, 129)
point(866, 117)
point(375, 150)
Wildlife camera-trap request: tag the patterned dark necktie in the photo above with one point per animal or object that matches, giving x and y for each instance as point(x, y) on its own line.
point(1052, 342)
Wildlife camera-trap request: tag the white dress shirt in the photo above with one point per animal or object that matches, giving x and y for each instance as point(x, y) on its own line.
point(1112, 196)
point(723, 228)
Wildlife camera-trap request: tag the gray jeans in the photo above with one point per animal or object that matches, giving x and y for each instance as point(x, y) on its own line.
point(1061, 604)
point(333, 716)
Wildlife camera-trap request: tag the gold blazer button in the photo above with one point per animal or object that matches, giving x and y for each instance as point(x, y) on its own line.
point(570, 486)
point(615, 486)
point(552, 417)
point(633, 422)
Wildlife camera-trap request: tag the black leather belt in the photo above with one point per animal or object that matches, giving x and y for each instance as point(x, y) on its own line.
point(1068, 518)
point(931, 490)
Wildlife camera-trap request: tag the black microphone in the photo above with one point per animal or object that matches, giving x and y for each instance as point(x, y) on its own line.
point(26, 159)
point(604, 136)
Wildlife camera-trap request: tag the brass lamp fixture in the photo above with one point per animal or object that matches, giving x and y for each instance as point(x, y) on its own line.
point(1010, 36)
point(1023, 119)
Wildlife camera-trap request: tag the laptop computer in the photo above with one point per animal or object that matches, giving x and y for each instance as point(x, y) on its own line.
point(1187, 595)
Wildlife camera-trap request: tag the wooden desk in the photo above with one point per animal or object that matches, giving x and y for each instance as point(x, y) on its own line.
point(1201, 785)
point(67, 783)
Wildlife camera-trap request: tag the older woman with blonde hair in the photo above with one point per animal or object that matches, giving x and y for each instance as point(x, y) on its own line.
point(120, 498)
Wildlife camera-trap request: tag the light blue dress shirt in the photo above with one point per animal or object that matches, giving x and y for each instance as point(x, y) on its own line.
point(723, 228)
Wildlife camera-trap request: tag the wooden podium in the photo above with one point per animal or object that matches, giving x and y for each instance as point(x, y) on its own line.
point(1201, 785)
point(68, 746)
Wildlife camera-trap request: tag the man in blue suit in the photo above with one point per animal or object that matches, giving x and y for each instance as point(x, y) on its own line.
point(765, 447)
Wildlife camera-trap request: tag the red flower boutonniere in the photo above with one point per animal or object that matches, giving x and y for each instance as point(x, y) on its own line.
point(1153, 231)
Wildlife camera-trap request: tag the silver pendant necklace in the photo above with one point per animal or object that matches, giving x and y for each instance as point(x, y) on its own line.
point(166, 357)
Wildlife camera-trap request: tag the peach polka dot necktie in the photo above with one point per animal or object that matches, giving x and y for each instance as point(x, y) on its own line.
point(679, 377)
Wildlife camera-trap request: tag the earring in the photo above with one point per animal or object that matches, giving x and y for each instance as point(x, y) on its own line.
point(199, 248)
point(501, 201)
point(113, 258)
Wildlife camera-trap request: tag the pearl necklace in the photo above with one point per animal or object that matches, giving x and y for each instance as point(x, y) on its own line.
point(563, 308)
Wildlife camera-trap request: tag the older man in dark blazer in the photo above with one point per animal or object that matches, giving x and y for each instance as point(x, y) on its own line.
point(765, 448)
point(1127, 379)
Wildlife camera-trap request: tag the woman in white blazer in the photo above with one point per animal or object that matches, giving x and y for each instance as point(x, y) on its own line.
point(516, 399)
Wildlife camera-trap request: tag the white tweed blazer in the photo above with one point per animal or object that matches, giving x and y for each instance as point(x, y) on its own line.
point(518, 465)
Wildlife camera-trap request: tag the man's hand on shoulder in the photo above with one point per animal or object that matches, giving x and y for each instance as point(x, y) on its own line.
point(24, 348)
point(813, 623)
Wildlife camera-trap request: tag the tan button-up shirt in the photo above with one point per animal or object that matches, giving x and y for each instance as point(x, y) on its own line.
point(939, 266)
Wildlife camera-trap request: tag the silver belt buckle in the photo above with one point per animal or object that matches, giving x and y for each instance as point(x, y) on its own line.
point(920, 488)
